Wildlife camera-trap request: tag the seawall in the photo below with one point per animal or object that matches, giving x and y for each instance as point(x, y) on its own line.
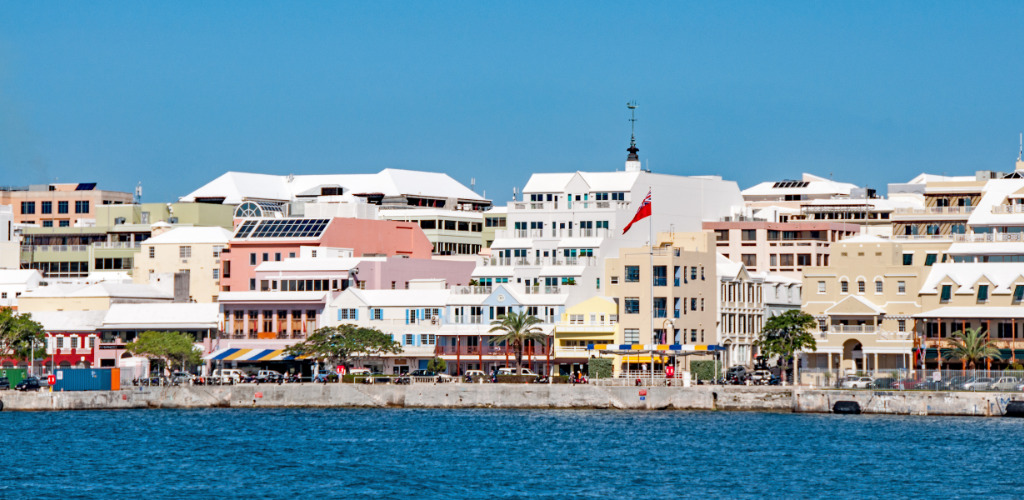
point(727, 398)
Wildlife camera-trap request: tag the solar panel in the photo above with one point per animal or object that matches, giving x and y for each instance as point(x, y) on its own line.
point(790, 184)
point(283, 228)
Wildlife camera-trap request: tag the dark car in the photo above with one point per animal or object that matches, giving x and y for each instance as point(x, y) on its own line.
point(882, 383)
point(29, 384)
point(4, 383)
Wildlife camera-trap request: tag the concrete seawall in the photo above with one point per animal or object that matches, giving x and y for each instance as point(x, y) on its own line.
point(728, 398)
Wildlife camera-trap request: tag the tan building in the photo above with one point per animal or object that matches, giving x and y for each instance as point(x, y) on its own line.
point(865, 303)
point(59, 205)
point(192, 250)
point(90, 297)
point(683, 306)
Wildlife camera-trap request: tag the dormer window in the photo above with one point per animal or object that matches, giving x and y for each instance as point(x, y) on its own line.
point(982, 293)
point(947, 292)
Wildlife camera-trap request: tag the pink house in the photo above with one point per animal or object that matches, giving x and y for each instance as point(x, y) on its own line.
point(272, 240)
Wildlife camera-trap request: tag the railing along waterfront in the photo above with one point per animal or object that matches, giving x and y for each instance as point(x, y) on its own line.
point(908, 379)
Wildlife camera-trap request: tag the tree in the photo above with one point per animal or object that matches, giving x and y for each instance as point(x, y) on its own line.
point(344, 343)
point(19, 334)
point(970, 346)
point(785, 334)
point(171, 348)
point(518, 328)
point(437, 365)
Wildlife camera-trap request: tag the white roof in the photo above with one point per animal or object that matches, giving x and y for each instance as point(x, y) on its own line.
point(69, 321)
point(727, 267)
point(187, 235)
point(236, 187)
point(987, 248)
point(1002, 275)
point(995, 193)
point(102, 289)
point(865, 238)
point(401, 298)
point(815, 186)
point(423, 213)
point(18, 276)
point(315, 264)
point(162, 316)
point(598, 181)
point(257, 296)
point(924, 178)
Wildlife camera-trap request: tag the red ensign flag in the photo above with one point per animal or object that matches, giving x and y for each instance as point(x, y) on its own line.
point(642, 212)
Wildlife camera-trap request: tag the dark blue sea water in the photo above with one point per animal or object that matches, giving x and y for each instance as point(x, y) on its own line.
point(345, 453)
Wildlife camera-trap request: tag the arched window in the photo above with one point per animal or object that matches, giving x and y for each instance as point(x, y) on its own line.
point(844, 286)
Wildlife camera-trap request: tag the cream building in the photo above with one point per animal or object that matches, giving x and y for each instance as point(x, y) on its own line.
point(192, 250)
point(677, 294)
point(865, 303)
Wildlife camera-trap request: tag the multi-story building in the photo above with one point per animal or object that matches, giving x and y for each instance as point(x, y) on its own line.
point(668, 298)
point(779, 247)
point(14, 282)
point(809, 187)
point(451, 232)
point(59, 205)
point(194, 251)
point(594, 321)
point(495, 219)
point(948, 202)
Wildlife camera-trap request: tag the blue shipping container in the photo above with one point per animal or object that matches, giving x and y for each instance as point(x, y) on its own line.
point(81, 379)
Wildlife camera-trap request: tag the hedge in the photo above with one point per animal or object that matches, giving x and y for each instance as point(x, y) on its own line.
point(599, 368)
point(516, 379)
point(705, 370)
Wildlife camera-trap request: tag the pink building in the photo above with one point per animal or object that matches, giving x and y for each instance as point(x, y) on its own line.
point(272, 240)
point(781, 247)
point(396, 272)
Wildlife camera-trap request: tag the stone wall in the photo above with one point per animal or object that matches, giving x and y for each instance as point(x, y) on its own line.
point(558, 396)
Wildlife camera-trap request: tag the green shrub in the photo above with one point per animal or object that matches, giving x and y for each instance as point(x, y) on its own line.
point(705, 370)
point(437, 365)
point(599, 368)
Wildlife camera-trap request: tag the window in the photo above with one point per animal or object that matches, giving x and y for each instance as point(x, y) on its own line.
point(152, 252)
point(721, 235)
point(787, 259)
point(216, 274)
point(46, 207)
point(614, 280)
point(47, 223)
point(377, 314)
point(930, 259)
point(773, 260)
point(632, 335)
point(277, 257)
point(81, 207)
point(28, 207)
point(748, 234)
point(428, 339)
point(860, 286)
point(252, 283)
point(1018, 293)
point(266, 256)
point(410, 339)
point(844, 287)
point(982, 293)
point(908, 259)
point(693, 272)
point(803, 259)
point(901, 287)
point(184, 252)
point(348, 313)
point(693, 304)
point(947, 291)
point(60, 342)
point(252, 259)
point(821, 287)
point(632, 305)
point(64, 223)
point(821, 325)
point(62, 207)
point(217, 249)
point(749, 259)
point(632, 274)
point(878, 286)
point(660, 307)
point(693, 335)
point(901, 325)
point(660, 275)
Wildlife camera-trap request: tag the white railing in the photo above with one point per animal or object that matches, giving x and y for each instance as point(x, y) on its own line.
point(988, 237)
point(922, 237)
point(543, 289)
point(936, 211)
point(117, 244)
point(588, 327)
point(54, 248)
point(472, 290)
point(1008, 209)
point(853, 328)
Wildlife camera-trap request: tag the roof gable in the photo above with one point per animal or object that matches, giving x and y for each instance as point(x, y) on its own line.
point(854, 305)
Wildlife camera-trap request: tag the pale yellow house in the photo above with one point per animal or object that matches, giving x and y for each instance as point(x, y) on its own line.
point(191, 250)
point(865, 303)
point(668, 298)
point(593, 321)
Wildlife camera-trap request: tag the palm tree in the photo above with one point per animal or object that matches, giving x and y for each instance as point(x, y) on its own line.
point(970, 346)
point(517, 328)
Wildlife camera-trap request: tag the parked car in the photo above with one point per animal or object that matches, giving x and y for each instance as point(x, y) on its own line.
point(512, 371)
point(4, 383)
point(268, 376)
point(475, 373)
point(856, 382)
point(229, 376)
point(1005, 384)
point(737, 374)
point(180, 378)
point(360, 371)
point(883, 383)
point(978, 384)
point(29, 384)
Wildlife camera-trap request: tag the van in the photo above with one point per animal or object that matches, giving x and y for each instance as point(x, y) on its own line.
point(228, 375)
point(512, 371)
point(359, 371)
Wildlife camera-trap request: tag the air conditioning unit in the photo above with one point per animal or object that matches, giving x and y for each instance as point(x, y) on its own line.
point(119, 220)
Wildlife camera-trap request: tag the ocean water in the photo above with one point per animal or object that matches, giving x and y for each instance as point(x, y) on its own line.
point(399, 453)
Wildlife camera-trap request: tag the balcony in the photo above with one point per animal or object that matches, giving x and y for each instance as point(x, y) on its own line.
point(988, 237)
point(535, 290)
point(853, 329)
point(117, 244)
point(469, 320)
point(596, 327)
point(488, 350)
point(1008, 209)
point(472, 290)
point(929, 213)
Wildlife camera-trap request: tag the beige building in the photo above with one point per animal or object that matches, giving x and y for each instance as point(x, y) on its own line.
point(191, 250)
point(677, 294)
point(865, 303)
point(90, 297)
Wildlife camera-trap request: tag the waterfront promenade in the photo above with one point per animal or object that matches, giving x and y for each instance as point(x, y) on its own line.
point(539, 396)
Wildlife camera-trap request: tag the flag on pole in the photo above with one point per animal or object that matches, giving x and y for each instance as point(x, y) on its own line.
point(643, 212)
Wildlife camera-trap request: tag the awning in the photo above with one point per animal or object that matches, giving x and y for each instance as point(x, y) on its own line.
point(251, 355)
point(968, 312)
point(655, 347)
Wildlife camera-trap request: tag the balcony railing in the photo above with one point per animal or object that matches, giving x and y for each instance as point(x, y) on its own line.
point(853, 328)
point(488, 350)
point(117, 244)
point(966, 210)
point(54, 248)
point(988, 237)
point(1008, 209)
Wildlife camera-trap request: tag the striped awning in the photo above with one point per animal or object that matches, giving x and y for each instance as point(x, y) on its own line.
point(252, 355)
point(655, 347)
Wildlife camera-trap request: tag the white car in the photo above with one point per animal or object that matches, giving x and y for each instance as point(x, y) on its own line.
point(512, 371)
point(228, 376)
point(360, 371)
point(978, 384)
point(1005, 384)
point(475, 373)
point(854, 382)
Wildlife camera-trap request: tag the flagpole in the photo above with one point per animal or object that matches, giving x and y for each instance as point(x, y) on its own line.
point(650, 269)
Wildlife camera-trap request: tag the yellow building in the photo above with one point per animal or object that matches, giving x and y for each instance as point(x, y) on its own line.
point(89, 297)
point(865, 303)
point(593, 321)
point(675, 290)
point(192, 250)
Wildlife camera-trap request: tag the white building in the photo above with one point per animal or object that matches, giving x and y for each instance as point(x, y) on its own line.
point(14, 282)
point(10, 256)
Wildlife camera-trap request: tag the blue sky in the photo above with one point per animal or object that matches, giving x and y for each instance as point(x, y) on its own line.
point(174, 93)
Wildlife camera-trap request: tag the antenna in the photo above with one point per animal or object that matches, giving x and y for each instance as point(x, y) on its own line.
point(472, 184)
point(632, 149)
point(632, 117)
point(1020, 152)
point(514, 192)
point(138, 192)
